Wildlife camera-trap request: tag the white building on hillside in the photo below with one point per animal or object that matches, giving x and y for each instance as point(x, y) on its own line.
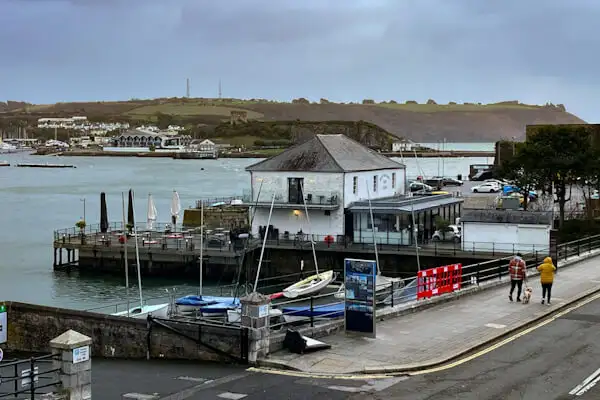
point(328, 172)
point(404, 145)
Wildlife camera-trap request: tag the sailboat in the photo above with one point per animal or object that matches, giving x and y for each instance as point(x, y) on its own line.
point(199, 302)
point(315, 283)
point(143, 310)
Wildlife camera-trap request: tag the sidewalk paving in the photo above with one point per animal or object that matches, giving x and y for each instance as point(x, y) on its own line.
point(443, 332)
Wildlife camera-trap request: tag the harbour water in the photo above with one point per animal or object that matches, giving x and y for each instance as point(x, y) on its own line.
point(34, 202)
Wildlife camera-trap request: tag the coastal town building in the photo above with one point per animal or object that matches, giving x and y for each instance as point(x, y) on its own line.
point(140, 140)
point(81, 123)
point(506, 230)
point(404, 145)
point(324, 175)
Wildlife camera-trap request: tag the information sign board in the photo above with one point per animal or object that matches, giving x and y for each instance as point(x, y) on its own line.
point(359, 284)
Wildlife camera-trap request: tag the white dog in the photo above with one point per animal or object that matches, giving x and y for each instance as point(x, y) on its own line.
point(527, 294)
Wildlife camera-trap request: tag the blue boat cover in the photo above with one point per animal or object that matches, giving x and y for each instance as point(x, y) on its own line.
point(220, 308)
point(199, 301)
point(334, 310)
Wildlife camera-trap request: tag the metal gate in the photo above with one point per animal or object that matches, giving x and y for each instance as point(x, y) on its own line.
point(193, 330)
point(24, 379)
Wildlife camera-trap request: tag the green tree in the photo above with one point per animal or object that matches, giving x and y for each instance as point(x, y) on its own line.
point(521, 169)
point(558, 156)
point(163, 120)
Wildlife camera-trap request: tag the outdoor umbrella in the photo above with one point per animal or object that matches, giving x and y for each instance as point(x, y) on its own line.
point(130, 220)
point(152, 214)
point(175, 208)
point(103, 213)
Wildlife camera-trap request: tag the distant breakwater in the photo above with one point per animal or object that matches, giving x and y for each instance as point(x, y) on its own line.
point(168, 154)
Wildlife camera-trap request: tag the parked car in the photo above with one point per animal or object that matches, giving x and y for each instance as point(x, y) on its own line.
point(500, 182)
point(447, 181)
point(452, 233)
point(486, 187)
point(420, 187)
point(483, 175)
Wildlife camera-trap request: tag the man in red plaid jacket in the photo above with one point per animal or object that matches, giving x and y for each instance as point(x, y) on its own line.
point(518, 273)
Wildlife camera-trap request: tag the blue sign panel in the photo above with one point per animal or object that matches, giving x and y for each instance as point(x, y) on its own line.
point(359, 283)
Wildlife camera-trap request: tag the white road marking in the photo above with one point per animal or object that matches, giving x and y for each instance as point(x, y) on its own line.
point(191, 379)
point(495, 326)
point(585, 385)
point(370, 386)
point(232, 396)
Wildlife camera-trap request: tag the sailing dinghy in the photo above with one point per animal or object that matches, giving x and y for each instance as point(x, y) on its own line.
point(311, 285)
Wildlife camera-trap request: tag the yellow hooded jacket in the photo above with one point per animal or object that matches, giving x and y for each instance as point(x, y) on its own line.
point(547, 271)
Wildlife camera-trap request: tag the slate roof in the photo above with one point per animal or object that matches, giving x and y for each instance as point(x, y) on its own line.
point(327, 153)
point(507, 217)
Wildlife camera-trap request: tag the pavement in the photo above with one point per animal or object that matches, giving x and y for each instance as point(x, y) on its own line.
point(444, 332)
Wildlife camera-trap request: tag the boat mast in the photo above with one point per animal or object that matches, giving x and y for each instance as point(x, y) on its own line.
point(126, 244)
point(262, 250)
point(312, 242)
point(137, 258)
point(201, 244)
point(243, 257)
point(373, 228)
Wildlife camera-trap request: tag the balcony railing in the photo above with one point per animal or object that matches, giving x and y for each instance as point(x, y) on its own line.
point(312, 198)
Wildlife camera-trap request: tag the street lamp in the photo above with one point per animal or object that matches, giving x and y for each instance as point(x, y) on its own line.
point(83, 208)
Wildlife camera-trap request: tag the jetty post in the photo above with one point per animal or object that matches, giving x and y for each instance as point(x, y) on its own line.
point(74, 363)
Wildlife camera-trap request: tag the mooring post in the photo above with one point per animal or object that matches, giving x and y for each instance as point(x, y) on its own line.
point(60, 251)
point(55, 265)
point(69, 256)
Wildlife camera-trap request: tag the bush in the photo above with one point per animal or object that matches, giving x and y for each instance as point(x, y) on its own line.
point(411, 102)
point(368, 101)
point(431, 101)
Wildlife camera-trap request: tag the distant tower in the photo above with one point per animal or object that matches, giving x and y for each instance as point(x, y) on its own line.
point(220, 94)
point(187, 88)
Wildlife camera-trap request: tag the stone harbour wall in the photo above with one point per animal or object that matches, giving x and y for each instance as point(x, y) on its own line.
point(31, 327)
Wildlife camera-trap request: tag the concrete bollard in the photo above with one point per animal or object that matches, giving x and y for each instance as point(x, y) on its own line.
point(75, 363)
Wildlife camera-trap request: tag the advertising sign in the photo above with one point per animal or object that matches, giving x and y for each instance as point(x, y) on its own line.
point(359, 283)
point(3, 324)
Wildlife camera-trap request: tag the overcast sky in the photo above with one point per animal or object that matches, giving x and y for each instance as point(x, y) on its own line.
point(344, 50)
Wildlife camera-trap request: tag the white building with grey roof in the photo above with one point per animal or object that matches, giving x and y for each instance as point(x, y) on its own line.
point(327, 173)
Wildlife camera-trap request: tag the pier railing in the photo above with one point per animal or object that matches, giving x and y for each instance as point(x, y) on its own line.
point(343, 243)
point(162, 236)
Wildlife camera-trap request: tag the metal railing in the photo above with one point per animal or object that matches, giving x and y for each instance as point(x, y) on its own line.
point(404, 291)
point(340, 242)
point(161, 237)
point(311, 197)
point(28, 376)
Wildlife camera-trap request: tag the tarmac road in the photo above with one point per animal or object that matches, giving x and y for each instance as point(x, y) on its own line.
point(547, 364)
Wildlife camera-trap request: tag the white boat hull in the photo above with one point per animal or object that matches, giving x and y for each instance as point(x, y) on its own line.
point(158, 311)
point(311, 285)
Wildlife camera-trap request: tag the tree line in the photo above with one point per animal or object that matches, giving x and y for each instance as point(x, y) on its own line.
point(555, 159)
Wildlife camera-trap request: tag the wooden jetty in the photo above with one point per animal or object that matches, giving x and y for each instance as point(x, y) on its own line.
point(46, 165)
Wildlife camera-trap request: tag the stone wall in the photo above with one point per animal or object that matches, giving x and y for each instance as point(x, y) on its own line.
point(32, 327)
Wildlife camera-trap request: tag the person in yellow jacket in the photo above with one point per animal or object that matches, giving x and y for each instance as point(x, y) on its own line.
point(547, 270)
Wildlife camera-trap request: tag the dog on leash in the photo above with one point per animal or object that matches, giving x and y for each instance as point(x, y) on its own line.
point(527, 294)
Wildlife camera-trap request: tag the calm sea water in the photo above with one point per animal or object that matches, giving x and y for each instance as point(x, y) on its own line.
point(483, 146)
point(35, 202)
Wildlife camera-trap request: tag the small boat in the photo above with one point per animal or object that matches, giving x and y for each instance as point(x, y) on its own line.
point(311, 285)
point(158, 311)
point(218, 309)
point(298, 313)
point(194, 302)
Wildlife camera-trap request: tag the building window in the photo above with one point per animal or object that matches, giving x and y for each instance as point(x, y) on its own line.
point(296, 190)
point(375, 183)
point(393, 180)
point(355, 184)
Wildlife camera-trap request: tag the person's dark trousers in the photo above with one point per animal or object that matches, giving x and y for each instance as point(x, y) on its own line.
point(519, 285)
point(546, 291)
